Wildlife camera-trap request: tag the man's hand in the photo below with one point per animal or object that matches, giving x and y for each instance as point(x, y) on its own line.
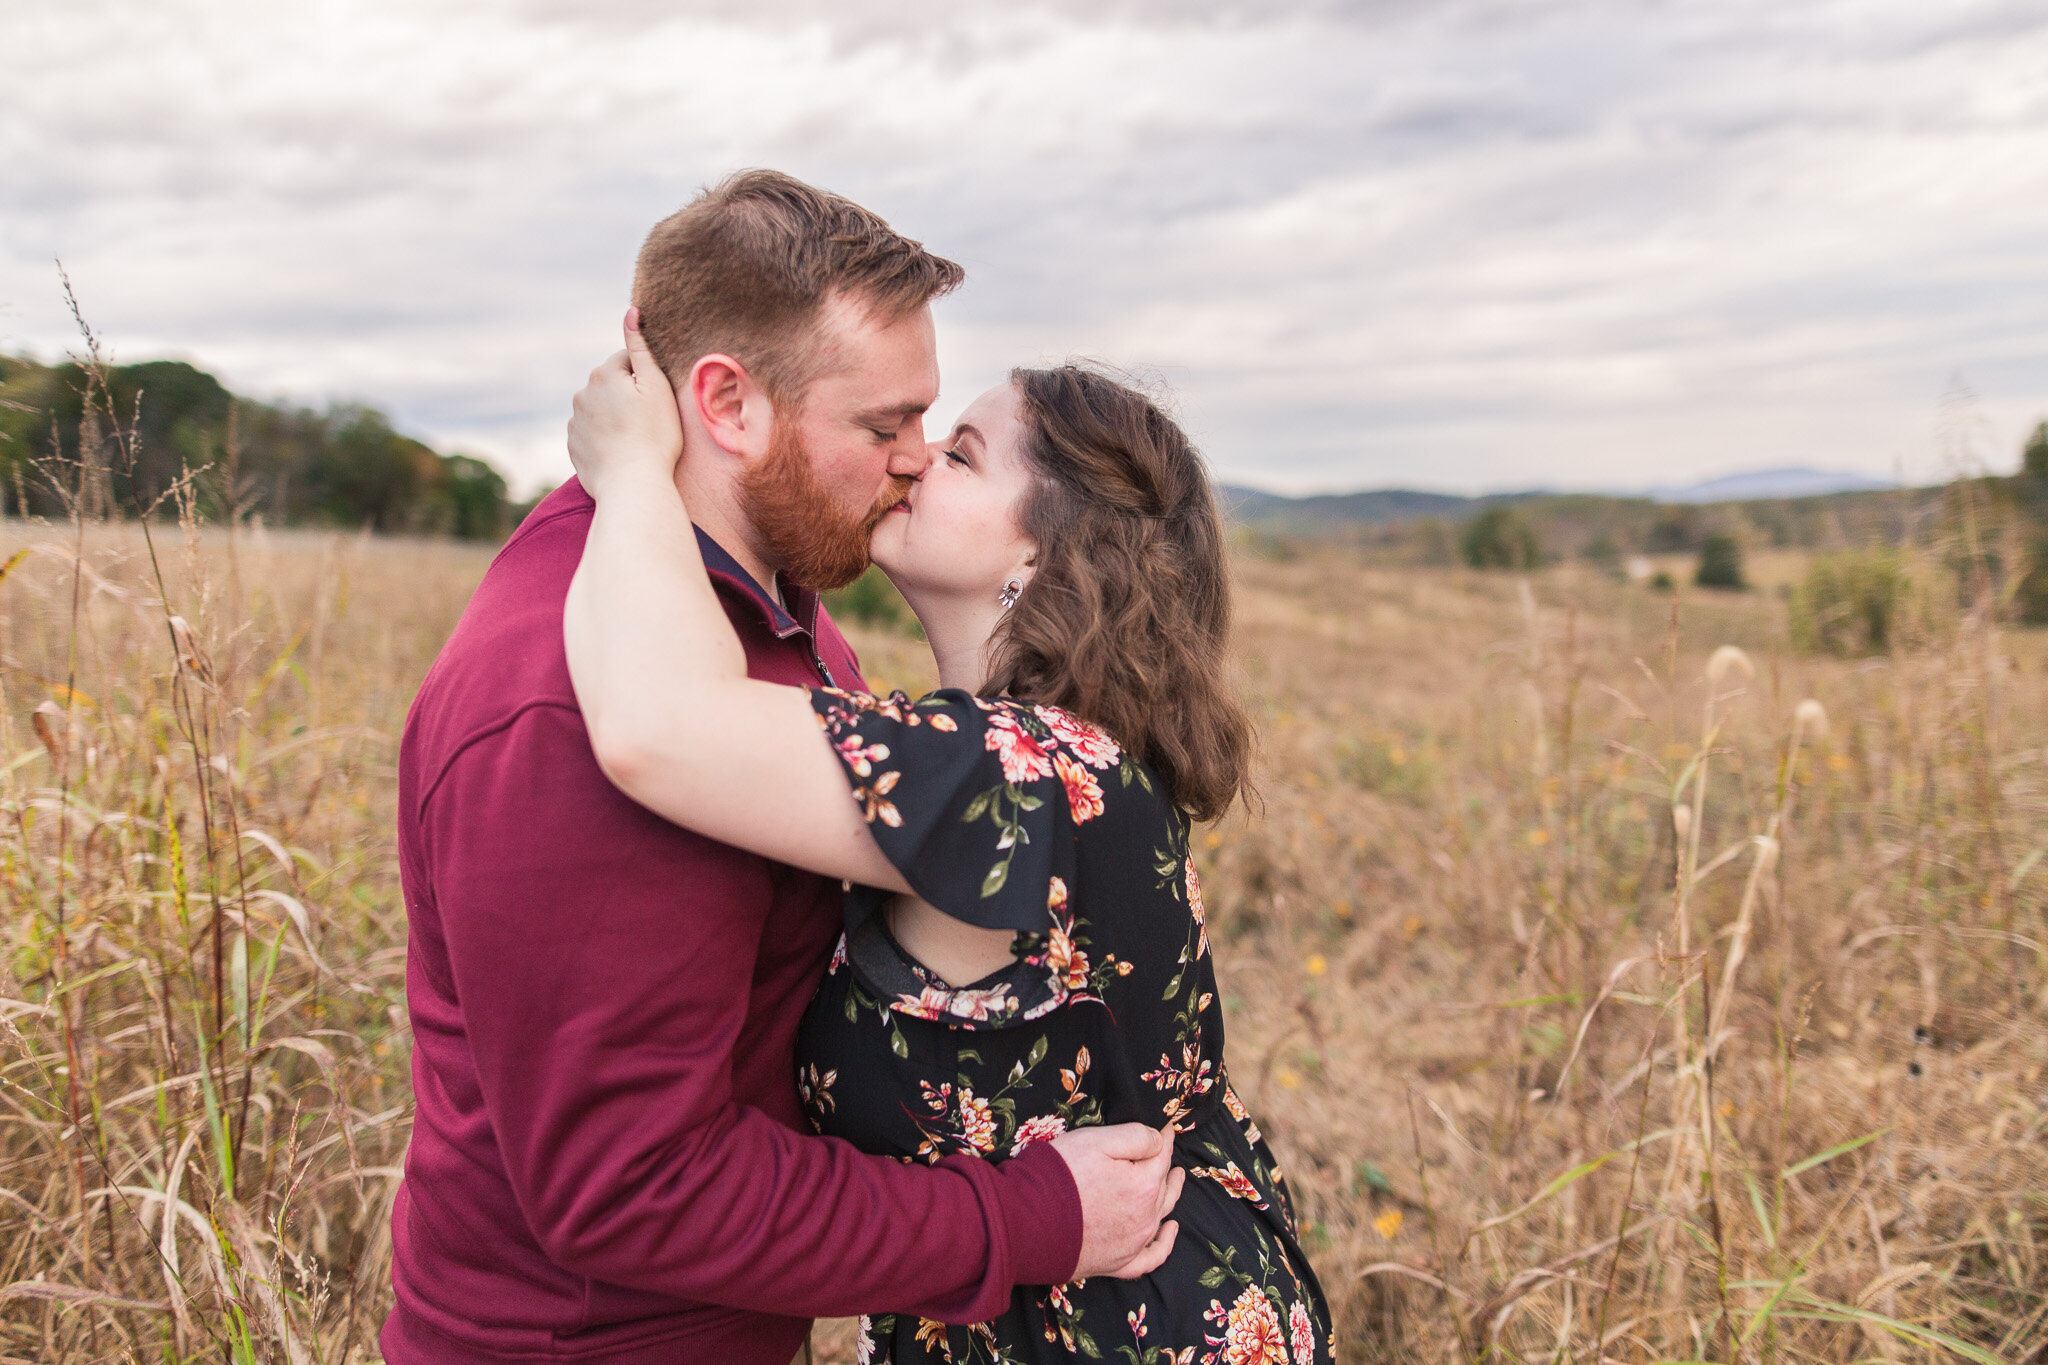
point(625, 424)
point(1128, 1185)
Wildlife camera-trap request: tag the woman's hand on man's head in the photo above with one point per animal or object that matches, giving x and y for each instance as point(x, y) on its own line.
point(625, 428)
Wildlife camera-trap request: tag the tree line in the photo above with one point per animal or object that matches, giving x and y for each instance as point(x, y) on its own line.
point(342, 466)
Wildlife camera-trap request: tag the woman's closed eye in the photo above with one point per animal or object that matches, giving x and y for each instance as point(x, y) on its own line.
point(957, 458)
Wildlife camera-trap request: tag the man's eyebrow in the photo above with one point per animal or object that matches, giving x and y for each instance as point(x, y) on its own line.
point(912, 408)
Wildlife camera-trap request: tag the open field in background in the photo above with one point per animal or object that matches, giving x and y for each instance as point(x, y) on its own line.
point(1534, 1106)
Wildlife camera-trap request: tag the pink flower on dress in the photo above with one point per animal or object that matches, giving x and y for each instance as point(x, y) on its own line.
point(1023, 758)
point(1043, 1128)
point(937, 1002)
point(1303, 1333)
point(1091, 745)
point(1252, 1334)
point(860, 757)
point(1084, 794)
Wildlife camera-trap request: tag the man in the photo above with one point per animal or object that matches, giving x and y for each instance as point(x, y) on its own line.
point(606, 1162)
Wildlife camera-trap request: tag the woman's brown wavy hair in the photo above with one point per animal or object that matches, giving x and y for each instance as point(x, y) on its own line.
point(1126, 619)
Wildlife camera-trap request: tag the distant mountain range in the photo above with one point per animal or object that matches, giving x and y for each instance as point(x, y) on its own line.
point(1769, 483)
point(1326, 511)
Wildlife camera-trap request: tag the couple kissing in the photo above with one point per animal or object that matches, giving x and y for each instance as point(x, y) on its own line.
point(742, 995)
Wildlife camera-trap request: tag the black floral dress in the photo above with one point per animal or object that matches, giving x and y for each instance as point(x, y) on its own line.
point(1014, 816)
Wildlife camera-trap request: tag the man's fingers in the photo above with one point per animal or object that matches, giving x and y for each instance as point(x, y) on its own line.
point(1164, 1156)
point(1128, 1142)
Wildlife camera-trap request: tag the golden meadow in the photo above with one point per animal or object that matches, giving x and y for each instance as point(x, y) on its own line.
point(1614, 981)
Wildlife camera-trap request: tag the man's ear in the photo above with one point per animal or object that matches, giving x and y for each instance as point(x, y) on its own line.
point(730, 405)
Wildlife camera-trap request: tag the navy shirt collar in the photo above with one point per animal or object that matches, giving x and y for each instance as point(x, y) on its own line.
point(726, 570)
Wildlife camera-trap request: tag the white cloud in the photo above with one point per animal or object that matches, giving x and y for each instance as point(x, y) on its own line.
point(1452, 245)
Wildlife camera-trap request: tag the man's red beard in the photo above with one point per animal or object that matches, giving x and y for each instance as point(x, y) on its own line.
point(813, 540)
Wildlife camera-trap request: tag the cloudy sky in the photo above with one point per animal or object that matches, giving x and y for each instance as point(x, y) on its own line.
point(1454, 244)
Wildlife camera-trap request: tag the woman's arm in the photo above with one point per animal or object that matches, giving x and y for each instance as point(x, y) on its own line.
point(659, 673)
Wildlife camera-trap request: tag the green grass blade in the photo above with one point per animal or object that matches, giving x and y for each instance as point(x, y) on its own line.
point(1822, 1158)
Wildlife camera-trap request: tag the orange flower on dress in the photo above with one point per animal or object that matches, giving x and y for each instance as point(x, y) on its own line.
point(1194, 885)
point(1234, 1180)
point(1240, 1113)
point(874, 800)
point(1066, 963)
point(977, 1122)
point(1084, 793)
point(1252, 1334)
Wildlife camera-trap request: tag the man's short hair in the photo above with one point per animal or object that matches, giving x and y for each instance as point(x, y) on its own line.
point(746, 267)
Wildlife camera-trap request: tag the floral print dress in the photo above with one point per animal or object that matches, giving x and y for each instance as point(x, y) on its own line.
point(1015, 816)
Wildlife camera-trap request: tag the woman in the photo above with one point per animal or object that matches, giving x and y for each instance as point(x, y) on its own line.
point(1025, 949)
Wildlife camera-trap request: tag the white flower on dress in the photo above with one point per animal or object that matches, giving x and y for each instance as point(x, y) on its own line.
point(1043, 1128)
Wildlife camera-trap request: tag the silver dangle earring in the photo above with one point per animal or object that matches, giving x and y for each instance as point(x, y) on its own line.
point(1008, 596)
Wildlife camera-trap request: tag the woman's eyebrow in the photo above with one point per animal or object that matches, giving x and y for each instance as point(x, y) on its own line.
point(965, 429)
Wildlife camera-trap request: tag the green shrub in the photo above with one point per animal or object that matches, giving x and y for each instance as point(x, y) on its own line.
point(1499, 538)
point(1720, 563)
point(873, 600)
point(1851, 603)
point(2030, 598)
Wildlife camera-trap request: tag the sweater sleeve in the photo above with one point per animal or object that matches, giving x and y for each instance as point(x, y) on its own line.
point(603, 966)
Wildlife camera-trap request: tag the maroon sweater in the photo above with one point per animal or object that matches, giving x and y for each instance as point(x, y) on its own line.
point(608, 1160)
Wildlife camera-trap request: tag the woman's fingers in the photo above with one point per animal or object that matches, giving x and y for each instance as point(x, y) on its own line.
point(1169, 1193)
point(642, 359)
point(1152, 1256)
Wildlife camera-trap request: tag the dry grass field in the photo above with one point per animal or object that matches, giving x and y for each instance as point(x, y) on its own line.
point(1609, 993)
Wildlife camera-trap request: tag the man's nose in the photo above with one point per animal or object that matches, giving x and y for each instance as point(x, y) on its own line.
point(911, 457)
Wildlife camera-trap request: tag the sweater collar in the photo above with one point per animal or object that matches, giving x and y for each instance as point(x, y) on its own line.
point(726, 571)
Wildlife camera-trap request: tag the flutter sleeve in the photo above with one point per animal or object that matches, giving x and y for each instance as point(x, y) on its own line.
point(978, 802)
